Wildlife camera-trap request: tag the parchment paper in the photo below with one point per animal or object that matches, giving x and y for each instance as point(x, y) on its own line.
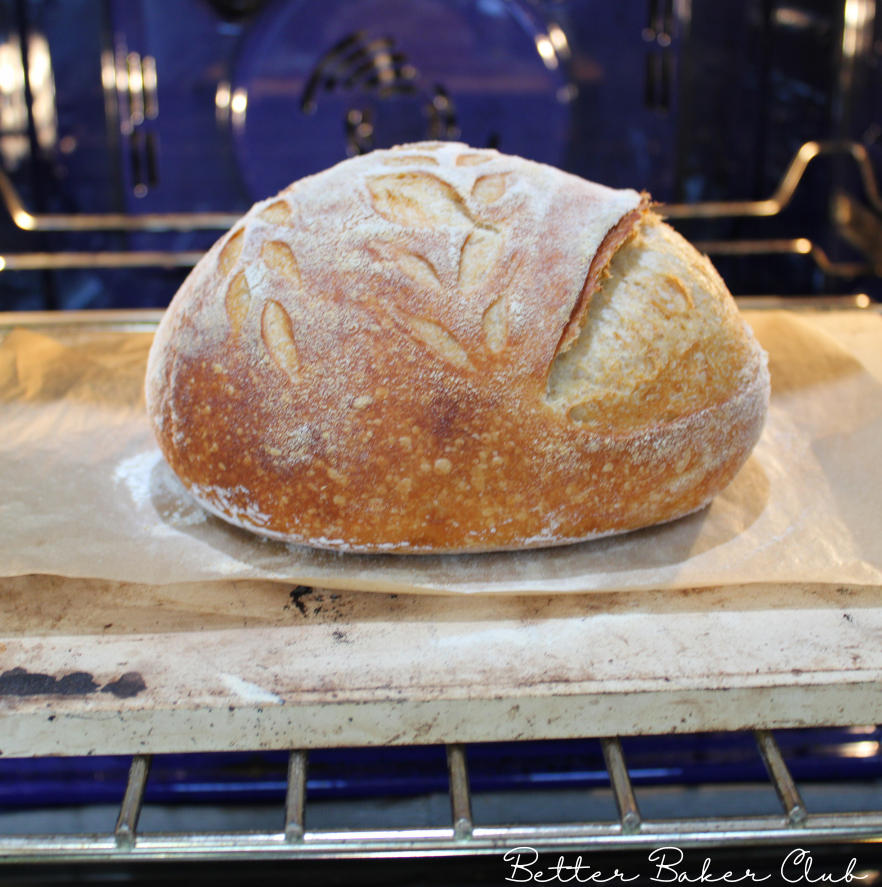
point(85, 493)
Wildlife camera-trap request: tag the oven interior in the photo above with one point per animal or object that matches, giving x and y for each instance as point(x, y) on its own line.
point(132, 134)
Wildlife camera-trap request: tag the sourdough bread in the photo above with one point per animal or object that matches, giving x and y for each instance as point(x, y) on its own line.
point(442, 349)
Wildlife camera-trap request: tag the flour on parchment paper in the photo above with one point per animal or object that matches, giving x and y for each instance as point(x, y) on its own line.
point(157, 490)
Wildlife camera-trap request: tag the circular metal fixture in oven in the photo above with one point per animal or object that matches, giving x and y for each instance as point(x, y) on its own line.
point(319, 82)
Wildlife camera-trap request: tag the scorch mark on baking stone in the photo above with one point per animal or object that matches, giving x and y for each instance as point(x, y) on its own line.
point(21, 682)
point(296, 595)
point(130, 684)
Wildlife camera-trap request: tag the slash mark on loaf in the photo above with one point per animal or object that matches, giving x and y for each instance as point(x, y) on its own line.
point(440, 341)
point(418, 199)
point(230, 252)
point(479, 256)
point(421, 271)
point(237, 301)
point(488, 189)
point(278, 257)
point(472, 159)
point(278, 213)
point(410, 160)
point(277, 332)
point(615, 238)
point(496, 325)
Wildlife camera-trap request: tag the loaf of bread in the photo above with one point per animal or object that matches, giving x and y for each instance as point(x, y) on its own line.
point(442, 349)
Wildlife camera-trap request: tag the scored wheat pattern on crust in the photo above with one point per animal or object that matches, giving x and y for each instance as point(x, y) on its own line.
point(419, 200)
point(277, 332)
point(488, 189)
point(495, 323)
point(495, 320)
point(237, 301)
point(278, 257)
point(478, 259)
point(230, 252)
point(419, 269)
point(278, 213)
point(439, 340)
point(472, 159)
point(409, 160)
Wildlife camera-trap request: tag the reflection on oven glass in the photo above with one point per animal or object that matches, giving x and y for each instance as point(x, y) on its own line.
point(14, 143)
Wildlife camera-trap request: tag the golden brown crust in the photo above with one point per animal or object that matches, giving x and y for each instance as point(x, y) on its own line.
point(363, 364)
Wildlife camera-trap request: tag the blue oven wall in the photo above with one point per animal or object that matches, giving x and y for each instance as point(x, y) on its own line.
point(760, 83)
point(193, 49)
point(745, 83)
point(623, 134)
point(89, 169)
point(55, 181)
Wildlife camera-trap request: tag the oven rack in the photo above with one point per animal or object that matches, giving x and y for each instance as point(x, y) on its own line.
point(294, 840)
point(845, 209)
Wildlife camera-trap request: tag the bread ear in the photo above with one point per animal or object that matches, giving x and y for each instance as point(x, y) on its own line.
point(598, 269)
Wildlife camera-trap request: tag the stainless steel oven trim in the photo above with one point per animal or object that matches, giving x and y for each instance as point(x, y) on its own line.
point(786, 187)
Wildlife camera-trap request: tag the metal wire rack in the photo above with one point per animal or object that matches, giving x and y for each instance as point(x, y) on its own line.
point(295, 840)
